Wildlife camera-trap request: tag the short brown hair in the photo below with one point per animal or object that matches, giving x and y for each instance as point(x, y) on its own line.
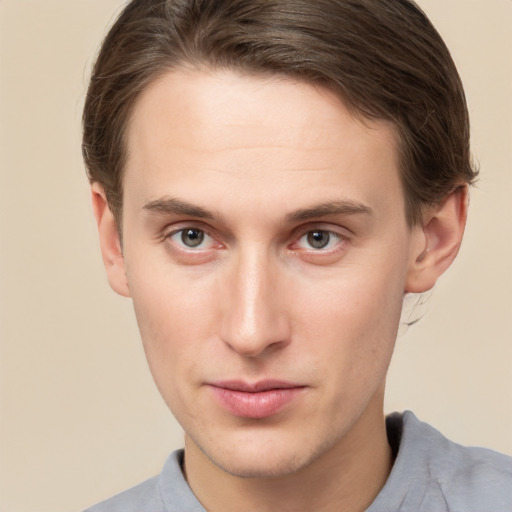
point(383, 58)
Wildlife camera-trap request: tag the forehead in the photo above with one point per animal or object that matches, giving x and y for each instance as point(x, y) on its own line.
point(266, 139)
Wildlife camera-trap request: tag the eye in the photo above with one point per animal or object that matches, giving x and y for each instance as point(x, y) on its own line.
point(319, 239)
point(192, 238)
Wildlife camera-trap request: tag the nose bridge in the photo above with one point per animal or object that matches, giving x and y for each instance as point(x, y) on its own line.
point(254, 319)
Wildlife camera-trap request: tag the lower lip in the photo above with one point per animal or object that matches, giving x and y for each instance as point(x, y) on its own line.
point(255, 405)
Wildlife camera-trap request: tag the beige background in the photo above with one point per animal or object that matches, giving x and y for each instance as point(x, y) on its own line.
point(80, 417)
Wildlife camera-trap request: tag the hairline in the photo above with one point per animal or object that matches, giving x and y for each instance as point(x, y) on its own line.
point(204, 66)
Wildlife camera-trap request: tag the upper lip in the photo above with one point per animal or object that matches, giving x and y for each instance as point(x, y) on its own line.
point(255, 387)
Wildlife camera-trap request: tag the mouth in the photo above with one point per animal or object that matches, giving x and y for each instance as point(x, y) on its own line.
point(255, 400)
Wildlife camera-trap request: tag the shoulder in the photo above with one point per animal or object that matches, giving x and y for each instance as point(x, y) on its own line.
point(433, 473)
point(167, 492)
point(470, 478)
point(145, 496)
point(452, 460)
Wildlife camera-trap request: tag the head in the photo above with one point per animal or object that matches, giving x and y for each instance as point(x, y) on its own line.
point(281, 173)
point(383, 59)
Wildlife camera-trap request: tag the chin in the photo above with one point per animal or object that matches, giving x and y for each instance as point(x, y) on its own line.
point(260, 467)
point(271, 459)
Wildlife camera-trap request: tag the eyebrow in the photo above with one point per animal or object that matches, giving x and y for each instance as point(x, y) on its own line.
point(169, 206)
point(342, 207)
point(172, 206)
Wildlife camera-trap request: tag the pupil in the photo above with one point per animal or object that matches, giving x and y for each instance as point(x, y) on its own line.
point(192, 237)
point(318, 239)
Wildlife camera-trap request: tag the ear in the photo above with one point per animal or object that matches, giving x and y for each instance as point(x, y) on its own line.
point(437, 241)
point(110, 242)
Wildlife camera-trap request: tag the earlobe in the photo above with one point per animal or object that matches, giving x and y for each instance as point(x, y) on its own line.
point(437, 241)
point(110, 242)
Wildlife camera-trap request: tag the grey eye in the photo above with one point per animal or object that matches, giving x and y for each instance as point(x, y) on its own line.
point(318, 239)
point(192, 237)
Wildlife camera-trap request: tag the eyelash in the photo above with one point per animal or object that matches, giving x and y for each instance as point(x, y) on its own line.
point(324, 232)
point(169, 235)
point(298, 235)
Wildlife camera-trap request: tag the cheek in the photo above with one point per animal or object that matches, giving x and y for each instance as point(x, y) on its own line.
point(354, 322)
point(173, 317)
point(169, 333)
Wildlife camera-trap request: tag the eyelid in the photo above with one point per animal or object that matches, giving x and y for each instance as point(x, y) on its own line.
point(205, 243)
point(175, 227)
point(342, 234)
point(333, 242)
point(169, 231)
point(339, 231)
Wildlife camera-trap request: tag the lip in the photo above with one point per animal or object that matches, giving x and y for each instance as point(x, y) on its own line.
point(255, 400)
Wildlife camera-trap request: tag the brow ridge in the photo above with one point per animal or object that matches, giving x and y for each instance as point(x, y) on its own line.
point(341, 207)
point(173, 206)
point(170, 205)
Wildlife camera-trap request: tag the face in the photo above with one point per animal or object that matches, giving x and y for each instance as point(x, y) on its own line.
point(266, 251)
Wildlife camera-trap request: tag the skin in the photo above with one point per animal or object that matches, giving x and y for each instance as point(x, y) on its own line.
point(265, 171)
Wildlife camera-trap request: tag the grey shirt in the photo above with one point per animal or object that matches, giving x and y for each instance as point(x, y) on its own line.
point(430, 474)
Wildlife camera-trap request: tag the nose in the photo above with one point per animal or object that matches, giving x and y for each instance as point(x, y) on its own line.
point(254, 320)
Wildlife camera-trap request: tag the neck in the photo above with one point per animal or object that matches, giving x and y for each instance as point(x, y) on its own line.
point(348, 476)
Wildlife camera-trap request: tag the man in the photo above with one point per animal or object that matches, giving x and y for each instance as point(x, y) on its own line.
point(269, 178)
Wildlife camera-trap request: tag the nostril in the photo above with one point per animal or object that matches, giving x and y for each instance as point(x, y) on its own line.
point(254, 350)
